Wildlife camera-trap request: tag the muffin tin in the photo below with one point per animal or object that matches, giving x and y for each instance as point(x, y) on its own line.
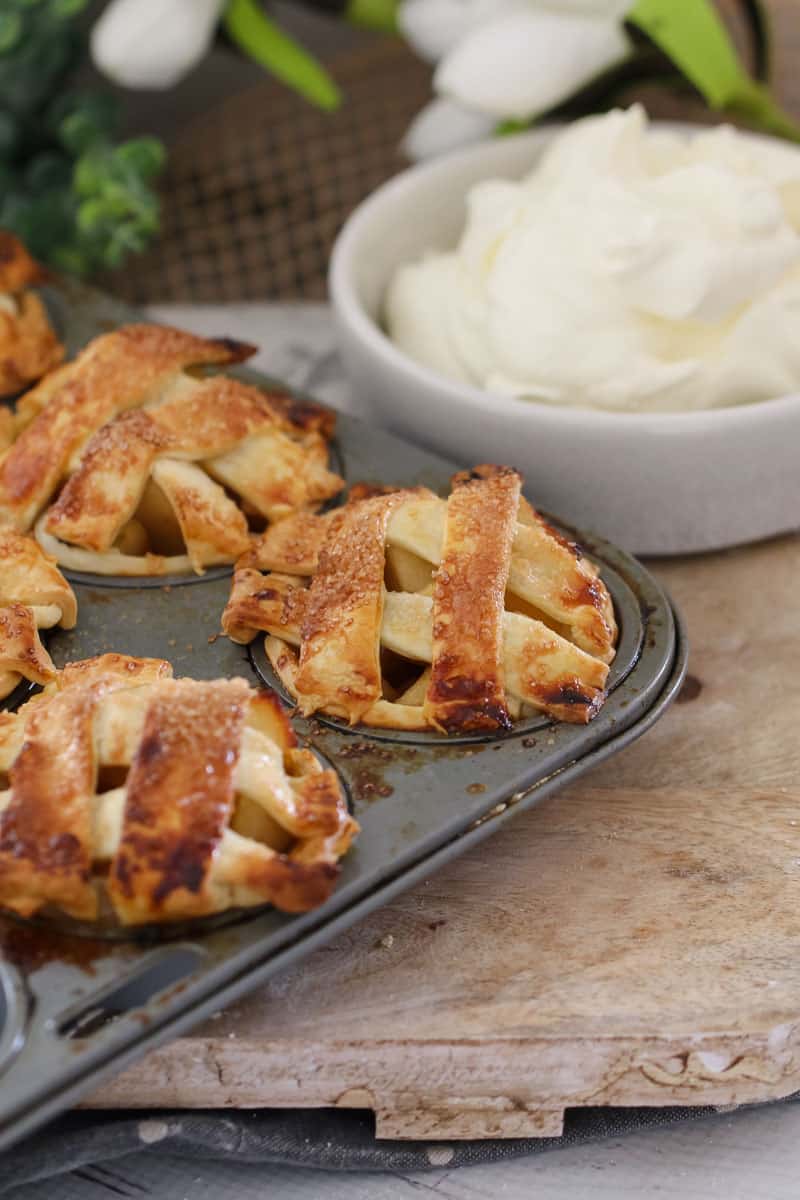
point(78, 1004)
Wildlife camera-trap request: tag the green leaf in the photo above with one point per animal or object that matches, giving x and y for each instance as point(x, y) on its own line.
point(77, 132)
point(65, 10)
point(261, 39)
point(10, 31)
point(143, 155)
point(90, 173)
point(92, 215)
point(81, 119)
point(692, 34)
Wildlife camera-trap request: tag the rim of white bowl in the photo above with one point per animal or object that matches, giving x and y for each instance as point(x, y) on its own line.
point(348, 304)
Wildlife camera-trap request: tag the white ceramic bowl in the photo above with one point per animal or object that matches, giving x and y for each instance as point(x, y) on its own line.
point(655, 484)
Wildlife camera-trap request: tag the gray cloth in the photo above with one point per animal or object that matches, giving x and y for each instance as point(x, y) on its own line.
point(328, 1139)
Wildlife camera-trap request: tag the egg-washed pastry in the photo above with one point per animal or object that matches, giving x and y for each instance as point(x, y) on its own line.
point(33, 595)
point(136, 796)
point(28, 345)
point(406, 611)
point(131, 461)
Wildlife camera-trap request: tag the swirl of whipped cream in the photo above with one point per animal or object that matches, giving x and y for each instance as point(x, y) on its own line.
point(635, 269)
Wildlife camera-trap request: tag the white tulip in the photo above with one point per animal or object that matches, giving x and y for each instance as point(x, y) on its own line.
point(441, 126)
point(524, 64)
point(609, 10)
point(152, 44)
point(433, 27)
point(506, 59)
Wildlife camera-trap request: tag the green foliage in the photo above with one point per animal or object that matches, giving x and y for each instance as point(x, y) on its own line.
point(80, 201)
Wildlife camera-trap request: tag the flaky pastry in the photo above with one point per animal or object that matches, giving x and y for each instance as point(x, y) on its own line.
point(28, 345)
point(404, 610)
point(33, 595)
point(144, 798)
point(155, 467)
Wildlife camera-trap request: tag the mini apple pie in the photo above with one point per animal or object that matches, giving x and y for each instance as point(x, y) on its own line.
point(33, 595)
point(149, 466)
point(406, 611)
point(28, 346)
point(133, 795)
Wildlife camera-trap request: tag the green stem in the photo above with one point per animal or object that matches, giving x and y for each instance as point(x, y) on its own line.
point(693, 36)
point(373, 14)
point(755, 105)
point(263, 41)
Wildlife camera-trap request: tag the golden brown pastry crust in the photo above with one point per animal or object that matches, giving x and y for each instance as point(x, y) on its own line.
point(18, 270)
point(46, 829)
point(33, 595)
point(507, 613)
point(117, 371)
point(188, 747)
point(29, 347)
point(209, 424)
point(467, 688)
point(28, 344)
point(128, 426)
point(341, 627)
point(218, 809)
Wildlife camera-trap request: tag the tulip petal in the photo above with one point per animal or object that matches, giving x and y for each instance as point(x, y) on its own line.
point(434, 27)
point(611, 10)
point(444, 125)
point(525, 63)
point(151, 44)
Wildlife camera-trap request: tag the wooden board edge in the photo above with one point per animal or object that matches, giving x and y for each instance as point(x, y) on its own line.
point(468, 1089)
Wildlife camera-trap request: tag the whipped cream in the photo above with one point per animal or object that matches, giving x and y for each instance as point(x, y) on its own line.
point(635, 269)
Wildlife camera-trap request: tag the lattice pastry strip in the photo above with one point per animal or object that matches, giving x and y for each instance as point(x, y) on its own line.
point(159, 468)
point(209, 433)
point(33, 595)
point(506, 612)
point(159, 799)
point(28, 344)
point(128, 368)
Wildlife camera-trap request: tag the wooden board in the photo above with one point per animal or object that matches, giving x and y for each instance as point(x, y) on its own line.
point(635, 941)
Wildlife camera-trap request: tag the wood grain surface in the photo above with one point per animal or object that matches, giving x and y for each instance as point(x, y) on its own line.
point(634, 941)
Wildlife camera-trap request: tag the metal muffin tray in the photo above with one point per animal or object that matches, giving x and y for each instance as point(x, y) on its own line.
point(77, 1008)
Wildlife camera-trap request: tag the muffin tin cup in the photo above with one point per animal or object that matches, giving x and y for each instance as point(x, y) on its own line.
point(79, 1005)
